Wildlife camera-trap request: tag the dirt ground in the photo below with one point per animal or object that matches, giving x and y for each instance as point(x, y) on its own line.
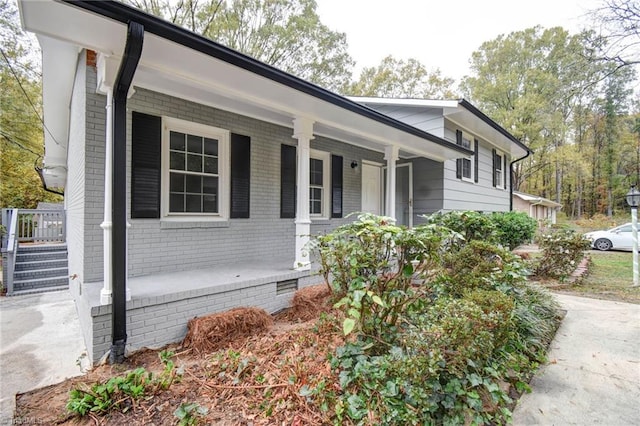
point(246, 372)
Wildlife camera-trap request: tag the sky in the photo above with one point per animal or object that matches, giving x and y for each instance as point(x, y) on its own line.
point(441, 33)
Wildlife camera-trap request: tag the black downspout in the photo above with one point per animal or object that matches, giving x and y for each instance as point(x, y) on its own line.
point(529, 152)
point(132, 52)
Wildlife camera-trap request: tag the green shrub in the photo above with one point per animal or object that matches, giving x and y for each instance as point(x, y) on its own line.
point(437, 327)
point(514, 228)
point(118, 393)
point(562, 250)
point(479, 265)
point(371, 265)
point(471, 225)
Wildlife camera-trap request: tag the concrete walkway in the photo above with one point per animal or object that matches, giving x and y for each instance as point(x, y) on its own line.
point(593, 374)
point(40, 344)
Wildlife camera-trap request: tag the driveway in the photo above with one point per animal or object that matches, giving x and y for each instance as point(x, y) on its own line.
point(40, 344)
point(593, 373)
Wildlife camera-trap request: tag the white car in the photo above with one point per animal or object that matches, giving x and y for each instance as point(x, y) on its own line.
point(618, 238)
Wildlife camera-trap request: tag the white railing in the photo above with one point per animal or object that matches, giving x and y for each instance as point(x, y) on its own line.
point(9, 247)
point(28, 225)
point(40, 226)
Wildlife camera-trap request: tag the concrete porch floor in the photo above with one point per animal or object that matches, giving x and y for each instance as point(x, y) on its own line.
point(202, 281)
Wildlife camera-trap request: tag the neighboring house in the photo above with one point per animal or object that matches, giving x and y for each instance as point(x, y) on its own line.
point(480, 181)
point(198, 184)
point(539, 208)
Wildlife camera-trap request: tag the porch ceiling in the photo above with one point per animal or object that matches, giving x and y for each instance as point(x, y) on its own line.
point(179, 69)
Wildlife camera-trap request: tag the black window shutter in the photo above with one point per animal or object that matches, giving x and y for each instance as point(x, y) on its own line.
point(240, 176)
point(475, 160)
point(146, 152)
point(495, 166)
point(504, 170)
point(336, 186)
point(288, 182)
point(459, 160)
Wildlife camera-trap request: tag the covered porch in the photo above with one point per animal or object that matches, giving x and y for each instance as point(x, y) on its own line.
point(161, 305)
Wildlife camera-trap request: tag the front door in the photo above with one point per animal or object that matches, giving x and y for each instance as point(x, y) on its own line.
point(404, 194)
point(371, 188)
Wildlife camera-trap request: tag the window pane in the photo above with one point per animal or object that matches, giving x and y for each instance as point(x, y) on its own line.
point(498, 162)
point(210, 185)
point(315, 200)
point(210, 204)
point(210, 146)
point(315, 207)
point(194, 144)
point(194, 203)
point(176, 203)
point(466, 168)
point(194, 184)
point(176, 182)
point(315, 171)
point(177, 141)
point(194, 163)
point(176, 161)
point(466, 143)
point(211, 165)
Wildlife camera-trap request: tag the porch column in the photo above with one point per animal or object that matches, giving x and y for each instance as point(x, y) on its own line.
point(107, 225)
point(391, 155)
point(303, 132)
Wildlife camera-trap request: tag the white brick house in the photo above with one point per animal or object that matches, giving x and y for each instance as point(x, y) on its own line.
point(221, 167)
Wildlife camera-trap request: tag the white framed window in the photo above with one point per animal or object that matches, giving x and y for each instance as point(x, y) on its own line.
point(195, 171)
point(498, 170)
point(319, 181)
point(467, 162)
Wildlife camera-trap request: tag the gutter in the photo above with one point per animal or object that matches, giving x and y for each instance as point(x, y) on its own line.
point(130, 59)
point(123, 13)
point(482, 116)
point(529, 152)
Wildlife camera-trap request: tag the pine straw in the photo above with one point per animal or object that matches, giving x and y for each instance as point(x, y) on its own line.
point(263, 378)
point(308, 303)
point(212, 332)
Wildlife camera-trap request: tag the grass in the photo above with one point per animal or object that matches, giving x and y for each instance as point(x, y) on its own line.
point(610, 277)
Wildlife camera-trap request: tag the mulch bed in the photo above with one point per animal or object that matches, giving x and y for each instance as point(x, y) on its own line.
point(244, 365)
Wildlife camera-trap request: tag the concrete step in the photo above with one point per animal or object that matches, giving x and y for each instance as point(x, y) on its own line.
point(40, 284)
point(34, 248)
point(40, 255)
point(40, 264)
point(41, 273)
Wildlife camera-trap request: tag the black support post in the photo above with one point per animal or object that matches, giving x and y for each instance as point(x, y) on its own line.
point(132, 52)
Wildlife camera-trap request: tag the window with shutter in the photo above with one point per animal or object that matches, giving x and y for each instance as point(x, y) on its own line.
point(465, 166)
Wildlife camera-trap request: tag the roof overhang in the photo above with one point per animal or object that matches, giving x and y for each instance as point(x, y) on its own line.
point(465, 115)
point(535, 200)
point(180, 63)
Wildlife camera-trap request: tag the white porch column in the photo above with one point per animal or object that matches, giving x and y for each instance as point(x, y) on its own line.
point(391, 155)
point(107, 225)
point(303, 132)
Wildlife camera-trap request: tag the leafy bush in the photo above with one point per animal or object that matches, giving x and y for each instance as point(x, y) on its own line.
point(479, 265)
point(373, 264)
point(118, 393)
point(437, 327)
point(471, 225)
point(562, 250)
point(514, 228)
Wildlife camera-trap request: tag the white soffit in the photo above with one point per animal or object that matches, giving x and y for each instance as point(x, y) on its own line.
point(170, 68)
